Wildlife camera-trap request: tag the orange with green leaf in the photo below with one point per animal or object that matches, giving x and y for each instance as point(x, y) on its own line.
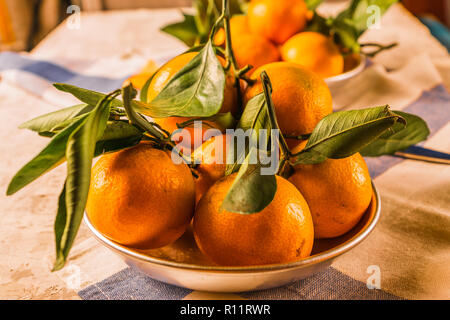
point(264, 31)
point(264, 205)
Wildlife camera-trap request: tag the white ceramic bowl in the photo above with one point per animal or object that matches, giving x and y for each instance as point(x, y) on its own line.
point(182, 264)
point(336, 82)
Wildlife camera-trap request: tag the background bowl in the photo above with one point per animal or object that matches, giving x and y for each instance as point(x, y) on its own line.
point(336, 82)
point(182, 264)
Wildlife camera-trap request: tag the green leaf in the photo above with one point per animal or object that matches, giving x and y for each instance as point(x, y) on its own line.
point(206, 13)
point(313, 4)
point(144, 90)
point(236, 6)
point(92, 98)
point(59, 225)
point(197, 90)
point(185, 30)
point(119, 129)
point(48, 158)
point(113, 145)
point(224, 120)
point(255, 114)
point(346, 35)
point(85, 95)
point(254, 117)
point(251, 191)
point(79, 153)
point(118, 135)
point(196, 29)
point(398, 137)
point(344, 133)
point(351, 23)
point(319, 24)
point(48, 122)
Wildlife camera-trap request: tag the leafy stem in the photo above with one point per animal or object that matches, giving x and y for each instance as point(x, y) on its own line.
point(229, 54)
point(300, 137)
point(80, 150)
point(215, 27)
point(267, 87)
point(127, 93)
point(157, 134)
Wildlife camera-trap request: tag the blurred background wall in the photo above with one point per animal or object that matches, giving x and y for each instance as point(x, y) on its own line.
point(23, 23)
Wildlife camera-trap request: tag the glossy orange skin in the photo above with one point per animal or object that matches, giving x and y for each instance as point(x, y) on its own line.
point(254, 50)
point(138, 80)
point(282, 232)
point(249, 48)
point(277, 20)
point(238, 26)
point(212, 156)
point(140, 198)
point(314, 51)
point(301, 98)
point(338, 192)
point(163, 76)
point(196, 134)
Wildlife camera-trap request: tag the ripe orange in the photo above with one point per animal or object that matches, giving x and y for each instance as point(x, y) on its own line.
point(277, 20)
point(282, 232)
point(249, 48)
point(254, 50)
point(238, 25)
point(316, 52)
point(196, 134)
point(212, 156)
point(162, 77)
point(138, 80)
point(301, 98)
point(167, 71)
point(338, 192)
point(140, 198)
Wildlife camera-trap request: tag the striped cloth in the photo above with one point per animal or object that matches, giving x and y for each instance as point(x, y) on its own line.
point(410, 245)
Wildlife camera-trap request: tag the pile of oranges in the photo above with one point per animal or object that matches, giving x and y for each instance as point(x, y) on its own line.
point(140, 198)
point(275, 30)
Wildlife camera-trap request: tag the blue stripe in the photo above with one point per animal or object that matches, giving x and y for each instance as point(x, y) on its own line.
point(322, 286)
point(54, 73)
point(130, 284)
point(428, 152)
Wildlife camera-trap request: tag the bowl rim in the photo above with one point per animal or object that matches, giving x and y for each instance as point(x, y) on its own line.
point(350, 73)
point(311, 260)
